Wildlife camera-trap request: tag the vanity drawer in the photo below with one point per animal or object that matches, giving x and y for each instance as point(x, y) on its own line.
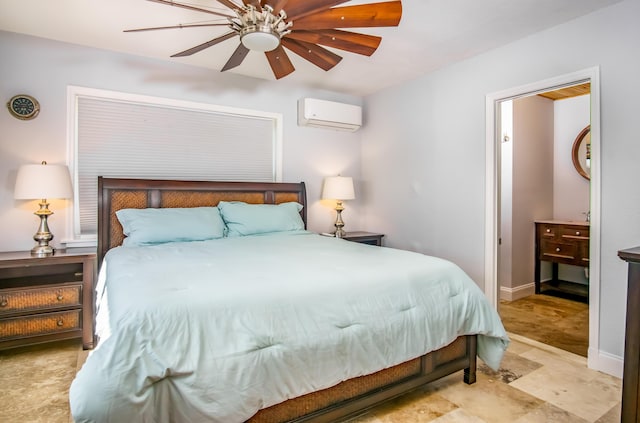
point(583, 252)
point(558, 251)
point(40, 298)
point(574, 232)
point(547, 231)
point(40, 324)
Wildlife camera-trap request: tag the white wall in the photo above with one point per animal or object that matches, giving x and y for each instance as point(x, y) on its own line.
point(44, 69)
point(533, 187)
point(571, 191)
point(423, 152)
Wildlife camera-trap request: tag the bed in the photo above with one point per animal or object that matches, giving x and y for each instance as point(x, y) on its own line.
point(185, 342)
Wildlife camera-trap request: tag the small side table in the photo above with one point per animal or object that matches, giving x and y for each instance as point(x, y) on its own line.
point(364, 238)
point(46, 299)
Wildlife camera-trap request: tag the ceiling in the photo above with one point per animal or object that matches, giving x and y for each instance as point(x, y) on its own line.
point(431, 34)
point(568, 92)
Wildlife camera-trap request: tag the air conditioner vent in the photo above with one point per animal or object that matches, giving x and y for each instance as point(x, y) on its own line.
point(329, 114)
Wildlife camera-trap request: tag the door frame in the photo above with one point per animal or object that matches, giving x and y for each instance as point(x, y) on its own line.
point(492, 197)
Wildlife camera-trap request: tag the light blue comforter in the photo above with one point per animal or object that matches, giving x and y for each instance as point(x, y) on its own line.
point(213, 331)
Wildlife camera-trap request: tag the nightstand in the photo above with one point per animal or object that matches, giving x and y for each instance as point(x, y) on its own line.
point(46, 299)
point(364, 238)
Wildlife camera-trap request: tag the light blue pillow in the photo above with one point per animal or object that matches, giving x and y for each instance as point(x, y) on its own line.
point(252, 219)
point(156, 226)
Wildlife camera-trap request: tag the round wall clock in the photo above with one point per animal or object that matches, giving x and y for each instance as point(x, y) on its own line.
point(23, 107)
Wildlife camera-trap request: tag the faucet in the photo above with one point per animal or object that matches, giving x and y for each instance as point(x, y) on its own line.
point(587, 215)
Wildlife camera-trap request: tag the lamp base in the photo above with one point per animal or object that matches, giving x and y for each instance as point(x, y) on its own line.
point(339, 233)
point(44, 235)
point(42, 251)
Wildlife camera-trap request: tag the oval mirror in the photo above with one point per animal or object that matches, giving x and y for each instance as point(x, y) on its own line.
point(581, 153)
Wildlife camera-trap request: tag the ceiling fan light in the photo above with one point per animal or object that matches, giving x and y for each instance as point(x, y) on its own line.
point(260, 41)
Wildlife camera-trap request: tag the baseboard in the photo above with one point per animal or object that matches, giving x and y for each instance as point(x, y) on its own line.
point(512, 294)
point(605, 362)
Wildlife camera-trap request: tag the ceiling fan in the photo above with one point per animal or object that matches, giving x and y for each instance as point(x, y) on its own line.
point(301, 26)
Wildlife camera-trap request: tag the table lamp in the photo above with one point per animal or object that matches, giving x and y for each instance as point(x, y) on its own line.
point(42, 182)
point(338, 188)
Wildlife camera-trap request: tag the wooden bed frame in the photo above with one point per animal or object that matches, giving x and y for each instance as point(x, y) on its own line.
point(340, 402)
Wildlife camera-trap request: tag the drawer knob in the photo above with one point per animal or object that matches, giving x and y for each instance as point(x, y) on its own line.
point(4, 302)
point(558, 249)
point(577, 232)
point(548, 230)
point(60, 297)
point(59, 322)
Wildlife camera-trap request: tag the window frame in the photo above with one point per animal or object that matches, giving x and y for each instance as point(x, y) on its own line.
point(74, 237)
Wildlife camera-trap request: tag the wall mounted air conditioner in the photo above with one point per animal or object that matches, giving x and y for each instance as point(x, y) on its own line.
point(329, 114)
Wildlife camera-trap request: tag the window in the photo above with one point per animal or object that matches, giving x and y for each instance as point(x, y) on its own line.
point(130, 136)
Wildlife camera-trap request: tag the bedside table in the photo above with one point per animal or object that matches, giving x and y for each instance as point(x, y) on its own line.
point(364, 238)
point(46, 299)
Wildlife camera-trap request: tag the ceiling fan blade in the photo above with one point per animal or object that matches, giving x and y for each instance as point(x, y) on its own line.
point(361, 16)
point(186, 6)
point(299, 8)
point(279, 62)
point(254, 3)
point(277, 5)
point(236, 58)
point(231, 5)
point(173, 27)
point(317, 55)
point(208, 44)
point(344, 40)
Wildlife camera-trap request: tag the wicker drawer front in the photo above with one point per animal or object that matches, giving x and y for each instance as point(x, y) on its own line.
point(40, 298)
point(40, 324)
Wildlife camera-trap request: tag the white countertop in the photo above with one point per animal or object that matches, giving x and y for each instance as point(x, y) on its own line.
point(565, 222)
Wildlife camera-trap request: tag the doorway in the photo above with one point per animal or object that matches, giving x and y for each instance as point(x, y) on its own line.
point(493, 165)
point(539, 184)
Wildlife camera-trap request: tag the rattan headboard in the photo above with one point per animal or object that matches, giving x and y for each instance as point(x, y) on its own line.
point(115, 194)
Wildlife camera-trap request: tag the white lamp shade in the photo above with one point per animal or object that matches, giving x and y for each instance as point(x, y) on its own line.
point(41, 181)
point(338, 188)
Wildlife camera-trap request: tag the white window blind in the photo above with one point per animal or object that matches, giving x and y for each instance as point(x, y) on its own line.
point(119, 137)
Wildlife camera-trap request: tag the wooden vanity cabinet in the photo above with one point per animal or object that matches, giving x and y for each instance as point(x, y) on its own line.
point(560, 242)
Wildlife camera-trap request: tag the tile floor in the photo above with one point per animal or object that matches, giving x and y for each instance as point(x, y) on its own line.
point(536, 383)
